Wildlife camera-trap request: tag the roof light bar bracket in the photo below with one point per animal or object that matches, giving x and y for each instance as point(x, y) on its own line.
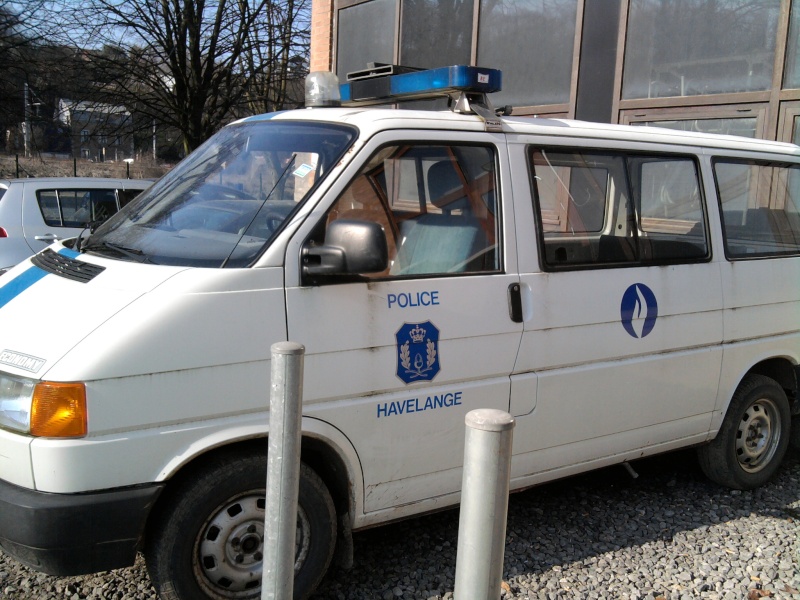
point(477, 104)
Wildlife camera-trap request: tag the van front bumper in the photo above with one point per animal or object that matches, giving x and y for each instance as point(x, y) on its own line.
point(74, 534)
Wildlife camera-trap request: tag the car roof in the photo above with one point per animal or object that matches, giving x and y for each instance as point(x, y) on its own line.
point(78, 181)
point(370, 120)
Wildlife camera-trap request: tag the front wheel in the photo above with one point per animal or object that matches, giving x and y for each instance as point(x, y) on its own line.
point(208, 543)
point(753, 438)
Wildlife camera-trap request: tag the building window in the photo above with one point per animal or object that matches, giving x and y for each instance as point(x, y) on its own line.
point(354, 48)
point(745, 127)
point(85, 136)
point(433, 36)
point(747, 120)
point(696, 47)
point(741, 126)
point(533, 43)
point(792, 76)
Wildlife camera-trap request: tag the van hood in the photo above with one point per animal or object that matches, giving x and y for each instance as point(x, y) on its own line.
point(51, 302)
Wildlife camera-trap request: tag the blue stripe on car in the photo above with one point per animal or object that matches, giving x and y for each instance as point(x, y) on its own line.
point(26, 279)
point(19, 284)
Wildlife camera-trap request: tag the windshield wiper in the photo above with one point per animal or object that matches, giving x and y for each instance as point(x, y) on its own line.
point(132, 253)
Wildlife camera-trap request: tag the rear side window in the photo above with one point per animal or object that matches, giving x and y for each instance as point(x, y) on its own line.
point(600, 208)
point(125, 196)
point(760, 204)
point(76, 208)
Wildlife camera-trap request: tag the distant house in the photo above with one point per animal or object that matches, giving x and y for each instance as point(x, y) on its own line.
point(97, 130)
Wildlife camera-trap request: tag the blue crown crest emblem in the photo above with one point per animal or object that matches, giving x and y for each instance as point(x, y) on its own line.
point(417, 352)
point(417, 334)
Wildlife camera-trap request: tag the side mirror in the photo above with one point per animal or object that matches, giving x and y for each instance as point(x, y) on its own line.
point(350, 247)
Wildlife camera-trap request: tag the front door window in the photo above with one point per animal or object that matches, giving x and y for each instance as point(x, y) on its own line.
point(437, 205)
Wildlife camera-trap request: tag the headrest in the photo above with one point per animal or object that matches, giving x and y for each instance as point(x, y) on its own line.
point(442, 182)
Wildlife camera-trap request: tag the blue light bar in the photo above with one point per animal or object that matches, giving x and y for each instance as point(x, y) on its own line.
point(421, 84)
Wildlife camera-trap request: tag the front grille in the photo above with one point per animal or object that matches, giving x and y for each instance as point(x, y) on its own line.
point(58, 264)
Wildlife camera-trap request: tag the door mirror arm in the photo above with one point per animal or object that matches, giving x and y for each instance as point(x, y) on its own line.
point(351, 247)
point(319, 261)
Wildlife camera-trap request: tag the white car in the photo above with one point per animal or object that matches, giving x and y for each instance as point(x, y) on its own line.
point(38, 211)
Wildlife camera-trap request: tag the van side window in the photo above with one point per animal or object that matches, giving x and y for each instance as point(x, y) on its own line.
point(608, 208)
point(437, 205)
point(760, 205)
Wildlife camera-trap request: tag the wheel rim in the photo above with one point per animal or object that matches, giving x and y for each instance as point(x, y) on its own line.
point(758, 435)
point(229, 548)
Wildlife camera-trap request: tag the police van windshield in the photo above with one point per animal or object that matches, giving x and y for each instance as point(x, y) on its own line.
point(224, 203)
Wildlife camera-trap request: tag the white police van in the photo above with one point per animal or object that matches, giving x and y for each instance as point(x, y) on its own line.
point(621, 291)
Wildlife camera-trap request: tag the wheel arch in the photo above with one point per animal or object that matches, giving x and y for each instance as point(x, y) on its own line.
point(784, 372)
point(781, 364)
point(323, 448)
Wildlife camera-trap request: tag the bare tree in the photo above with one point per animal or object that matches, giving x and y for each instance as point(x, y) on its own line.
point(18, 39)
point(188, 64)
point(279, 47)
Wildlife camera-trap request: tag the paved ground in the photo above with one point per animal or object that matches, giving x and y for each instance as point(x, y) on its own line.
point(669, 534)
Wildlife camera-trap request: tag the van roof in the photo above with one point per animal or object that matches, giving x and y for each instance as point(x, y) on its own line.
point(372, 120)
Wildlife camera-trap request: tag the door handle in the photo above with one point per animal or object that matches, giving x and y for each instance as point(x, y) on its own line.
point(515, 302)
point(47, 237)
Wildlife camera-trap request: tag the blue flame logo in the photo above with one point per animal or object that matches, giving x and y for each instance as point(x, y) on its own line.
point(638, 310)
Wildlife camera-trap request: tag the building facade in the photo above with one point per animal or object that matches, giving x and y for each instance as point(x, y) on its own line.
point(723, 66)
point(98, 131)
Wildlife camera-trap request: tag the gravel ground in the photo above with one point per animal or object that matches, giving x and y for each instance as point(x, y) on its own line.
point(667, 535)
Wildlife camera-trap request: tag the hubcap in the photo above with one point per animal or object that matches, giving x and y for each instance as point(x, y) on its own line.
point(758, 435)
point(230, 548)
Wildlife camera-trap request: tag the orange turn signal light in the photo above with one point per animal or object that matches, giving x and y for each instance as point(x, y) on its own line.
point(59, 410)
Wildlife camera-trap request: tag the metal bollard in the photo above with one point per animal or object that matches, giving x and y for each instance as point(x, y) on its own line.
point(484, 504)
point(283, 470)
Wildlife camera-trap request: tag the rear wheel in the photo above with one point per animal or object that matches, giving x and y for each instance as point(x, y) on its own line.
point(209, 542)
point(753, 438)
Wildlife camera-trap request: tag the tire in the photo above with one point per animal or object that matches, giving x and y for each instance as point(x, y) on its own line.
point(753, 438)
point(207, 541)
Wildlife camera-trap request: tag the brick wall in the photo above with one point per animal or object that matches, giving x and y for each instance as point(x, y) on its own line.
point(321, 35)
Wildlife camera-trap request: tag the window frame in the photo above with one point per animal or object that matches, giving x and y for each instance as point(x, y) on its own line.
point(63, 223)
point(560, 110)
point(318, 234)
point(789, 112)
point(700, 113)
point(742, 160)
point(634, 210)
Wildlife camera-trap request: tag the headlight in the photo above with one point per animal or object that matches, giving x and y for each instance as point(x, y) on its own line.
point(15, 403)
point(43, 408)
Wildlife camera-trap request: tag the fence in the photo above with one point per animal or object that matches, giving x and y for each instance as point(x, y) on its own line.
point(13, 166)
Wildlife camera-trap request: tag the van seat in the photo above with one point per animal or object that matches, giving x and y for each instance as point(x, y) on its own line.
point(434, 243)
